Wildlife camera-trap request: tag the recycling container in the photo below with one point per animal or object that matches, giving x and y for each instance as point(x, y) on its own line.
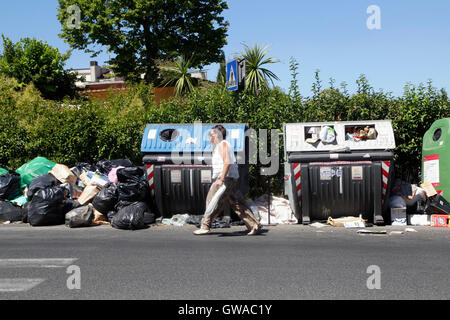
point(339, 169)
point(436, 157)
point(177, 159)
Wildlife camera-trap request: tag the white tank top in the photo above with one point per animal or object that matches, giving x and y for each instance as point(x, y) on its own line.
point(217, 162)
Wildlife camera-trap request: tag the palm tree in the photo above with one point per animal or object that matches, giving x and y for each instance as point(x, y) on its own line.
point(257, 78)
point(177, 74)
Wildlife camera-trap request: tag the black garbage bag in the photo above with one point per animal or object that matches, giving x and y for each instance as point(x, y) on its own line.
point(133, 191)
point(106, 199)
point(130, 174)
point(10, 186)
point(9, 212)
point(132, 217)
point(69, 205)
point(47, 207)
point(80, 217)
point(105, 166)
point(82, 167)
point(42, 182)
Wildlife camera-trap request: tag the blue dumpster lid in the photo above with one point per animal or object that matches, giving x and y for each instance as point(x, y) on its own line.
point(166, 138)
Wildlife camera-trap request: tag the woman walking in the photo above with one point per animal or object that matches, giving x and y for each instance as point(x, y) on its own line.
point(225, 175)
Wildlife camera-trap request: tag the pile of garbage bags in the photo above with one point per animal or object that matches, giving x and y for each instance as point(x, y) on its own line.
point(44, 193)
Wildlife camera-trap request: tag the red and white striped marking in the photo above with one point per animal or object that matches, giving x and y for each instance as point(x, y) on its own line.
point(150, 173)
point(385, 166)
point(298, 181)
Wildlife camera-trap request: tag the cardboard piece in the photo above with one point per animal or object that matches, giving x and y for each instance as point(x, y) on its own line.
point(340, 222)
point(88, 194)
point(429, 189)
point(63, 174)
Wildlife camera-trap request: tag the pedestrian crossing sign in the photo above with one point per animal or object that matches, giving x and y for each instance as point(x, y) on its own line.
point(232, 75)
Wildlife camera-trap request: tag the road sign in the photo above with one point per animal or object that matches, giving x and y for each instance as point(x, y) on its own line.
point(232, 75)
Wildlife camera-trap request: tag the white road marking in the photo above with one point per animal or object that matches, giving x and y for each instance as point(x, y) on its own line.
point(18, 285)
point(36, 263)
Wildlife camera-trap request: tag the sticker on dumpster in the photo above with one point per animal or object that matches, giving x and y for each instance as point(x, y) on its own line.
point(175, 176)
point(325, 173)
point(336, 172)
point(151, 134)
point(357, 173)
point(206, 176)
point(431, 169)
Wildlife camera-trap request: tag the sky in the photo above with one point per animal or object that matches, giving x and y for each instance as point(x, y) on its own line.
point(411, 44)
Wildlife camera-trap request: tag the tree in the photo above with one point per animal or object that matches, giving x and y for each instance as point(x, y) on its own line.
point(257, 77)
point(35, 61)
point(177, 74)
point(140, 32)
point(221, 77)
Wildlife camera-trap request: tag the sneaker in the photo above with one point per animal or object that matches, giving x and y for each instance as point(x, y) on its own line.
point(255, 231)
point(201, 231)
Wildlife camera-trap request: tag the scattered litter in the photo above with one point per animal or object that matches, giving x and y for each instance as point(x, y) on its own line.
point(354, 224)
point(396, 232)
point(318, 225)
point(177, 220)
point(410, 230)
point(280, 210)
point(340, 222)
point(367, 231)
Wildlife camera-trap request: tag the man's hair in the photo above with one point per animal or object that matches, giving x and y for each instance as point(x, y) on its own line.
point(221, 130)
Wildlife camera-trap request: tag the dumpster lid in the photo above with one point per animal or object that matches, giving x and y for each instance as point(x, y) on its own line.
point(338, 135)
point(166, 138)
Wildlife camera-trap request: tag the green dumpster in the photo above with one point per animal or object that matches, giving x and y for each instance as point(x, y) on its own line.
point(436, 156)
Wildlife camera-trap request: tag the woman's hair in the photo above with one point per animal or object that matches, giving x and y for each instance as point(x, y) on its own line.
point(221, 131)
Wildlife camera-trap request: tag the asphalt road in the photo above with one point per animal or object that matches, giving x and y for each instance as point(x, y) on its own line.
point(167, 262)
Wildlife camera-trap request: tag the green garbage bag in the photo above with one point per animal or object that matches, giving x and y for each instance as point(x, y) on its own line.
point(3, 171)
point(35, 168)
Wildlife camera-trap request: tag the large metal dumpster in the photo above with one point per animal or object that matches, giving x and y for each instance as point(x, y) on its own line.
point(337, 169)
point(177, 158)
point(436, 156)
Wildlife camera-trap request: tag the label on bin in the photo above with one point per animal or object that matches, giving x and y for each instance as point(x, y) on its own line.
point(325, 173)
point(175, 176)
point(151, 134)
point(431, 169)
point(357, 173)
point(206, 176)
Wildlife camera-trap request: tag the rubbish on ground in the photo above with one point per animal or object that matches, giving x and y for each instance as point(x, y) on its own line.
point(440, 220)
point(20, 201)
point(177, 220)
point(100, 218)
point(112, 175)
point(340, 222)
point(10, 186)
point(419, 219)
point(72, 191)
point(410, 230)
point(318, 225)
point(80, 217)
point(106, 199)
point(129, 174)
point(63, 174)
point(396, 232)
point(9, 212)
point(33, 169)
point(367, 231)
point(280, 210)
point(218, 223)
point(46, 207)
point(42, 182)
point(429, 189)
point(82, 167)
point(133, 191)
point(105, 166)
point(132, 217)
point(398, 216)
point(88, 194)
point(354, 224)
